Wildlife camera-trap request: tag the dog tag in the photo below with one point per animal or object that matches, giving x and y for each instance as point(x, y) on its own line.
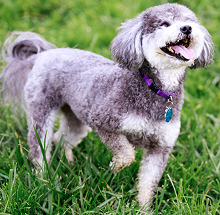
point(168, 114)
point(169, 110)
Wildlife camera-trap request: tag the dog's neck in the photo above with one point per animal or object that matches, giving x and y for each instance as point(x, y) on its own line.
point(168, 80)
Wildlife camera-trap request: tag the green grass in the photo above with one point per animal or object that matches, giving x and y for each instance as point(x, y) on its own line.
point(191, 182)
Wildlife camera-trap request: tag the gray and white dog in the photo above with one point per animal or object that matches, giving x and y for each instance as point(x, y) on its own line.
point(134, 101)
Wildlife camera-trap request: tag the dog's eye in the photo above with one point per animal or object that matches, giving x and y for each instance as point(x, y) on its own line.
point(165, 24)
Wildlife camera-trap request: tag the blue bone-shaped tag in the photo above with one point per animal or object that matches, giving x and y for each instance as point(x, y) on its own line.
point(168, 114)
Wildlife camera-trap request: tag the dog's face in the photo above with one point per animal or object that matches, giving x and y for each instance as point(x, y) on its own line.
point(172, 38)
point(167, 36)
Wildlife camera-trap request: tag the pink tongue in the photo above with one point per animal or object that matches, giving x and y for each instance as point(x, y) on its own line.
point(186, 53)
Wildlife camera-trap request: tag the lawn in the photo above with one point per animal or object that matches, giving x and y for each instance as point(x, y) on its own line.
point(191, 182)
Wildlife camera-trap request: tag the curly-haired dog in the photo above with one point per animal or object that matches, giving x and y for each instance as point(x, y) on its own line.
point(133, 102)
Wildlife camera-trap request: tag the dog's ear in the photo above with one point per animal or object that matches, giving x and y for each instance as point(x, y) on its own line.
point(206, 56)
point(126, 47)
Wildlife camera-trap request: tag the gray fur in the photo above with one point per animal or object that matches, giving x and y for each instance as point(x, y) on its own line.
point(126, 46)
point(206, 56)
point(111, 98)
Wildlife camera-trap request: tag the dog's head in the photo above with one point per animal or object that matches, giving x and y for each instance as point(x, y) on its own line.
point(166, 36)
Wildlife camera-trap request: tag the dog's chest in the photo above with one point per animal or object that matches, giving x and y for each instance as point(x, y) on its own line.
point(144, 133)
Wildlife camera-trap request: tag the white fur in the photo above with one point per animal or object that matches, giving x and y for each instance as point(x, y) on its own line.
point(166, 132)
point(170, 77)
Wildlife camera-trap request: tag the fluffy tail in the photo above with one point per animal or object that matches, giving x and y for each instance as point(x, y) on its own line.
point(19, 51)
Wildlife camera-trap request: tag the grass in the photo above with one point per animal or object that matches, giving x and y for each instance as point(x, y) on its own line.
point(191, 182)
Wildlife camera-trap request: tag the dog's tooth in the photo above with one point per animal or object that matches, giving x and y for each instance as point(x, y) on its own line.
point(170, 49)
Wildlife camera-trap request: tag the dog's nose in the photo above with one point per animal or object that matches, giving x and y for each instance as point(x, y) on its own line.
point(187, 29)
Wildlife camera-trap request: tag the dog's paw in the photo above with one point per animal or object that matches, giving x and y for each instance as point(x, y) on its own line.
point(118, 163)
point(69, 155)
point(112, 163)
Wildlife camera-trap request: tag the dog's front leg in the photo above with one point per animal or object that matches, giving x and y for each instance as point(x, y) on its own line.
point(123, 152)
point(153, 165)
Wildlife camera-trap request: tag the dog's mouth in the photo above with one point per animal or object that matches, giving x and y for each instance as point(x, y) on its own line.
point(179, 49)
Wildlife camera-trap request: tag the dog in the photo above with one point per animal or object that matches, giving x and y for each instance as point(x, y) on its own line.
point(133, 101)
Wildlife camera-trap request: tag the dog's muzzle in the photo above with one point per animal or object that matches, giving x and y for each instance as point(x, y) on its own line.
point(180, 48)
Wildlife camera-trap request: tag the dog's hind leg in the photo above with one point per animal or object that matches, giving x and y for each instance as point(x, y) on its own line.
point(43, 122)
point(42, 108)
point(74, 131)
point(123, 152)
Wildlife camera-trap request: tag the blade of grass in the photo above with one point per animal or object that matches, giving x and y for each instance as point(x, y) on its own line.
point(43, 151)
point(58, 147)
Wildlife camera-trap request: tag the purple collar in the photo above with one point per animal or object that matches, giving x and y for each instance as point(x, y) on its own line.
point(155, 88)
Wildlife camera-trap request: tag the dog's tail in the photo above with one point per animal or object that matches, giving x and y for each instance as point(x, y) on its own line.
point(20, 51)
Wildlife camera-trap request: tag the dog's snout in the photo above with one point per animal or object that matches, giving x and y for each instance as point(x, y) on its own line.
point(187, 29)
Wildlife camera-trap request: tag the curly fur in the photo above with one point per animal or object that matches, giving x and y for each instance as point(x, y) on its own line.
point(112, 98)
